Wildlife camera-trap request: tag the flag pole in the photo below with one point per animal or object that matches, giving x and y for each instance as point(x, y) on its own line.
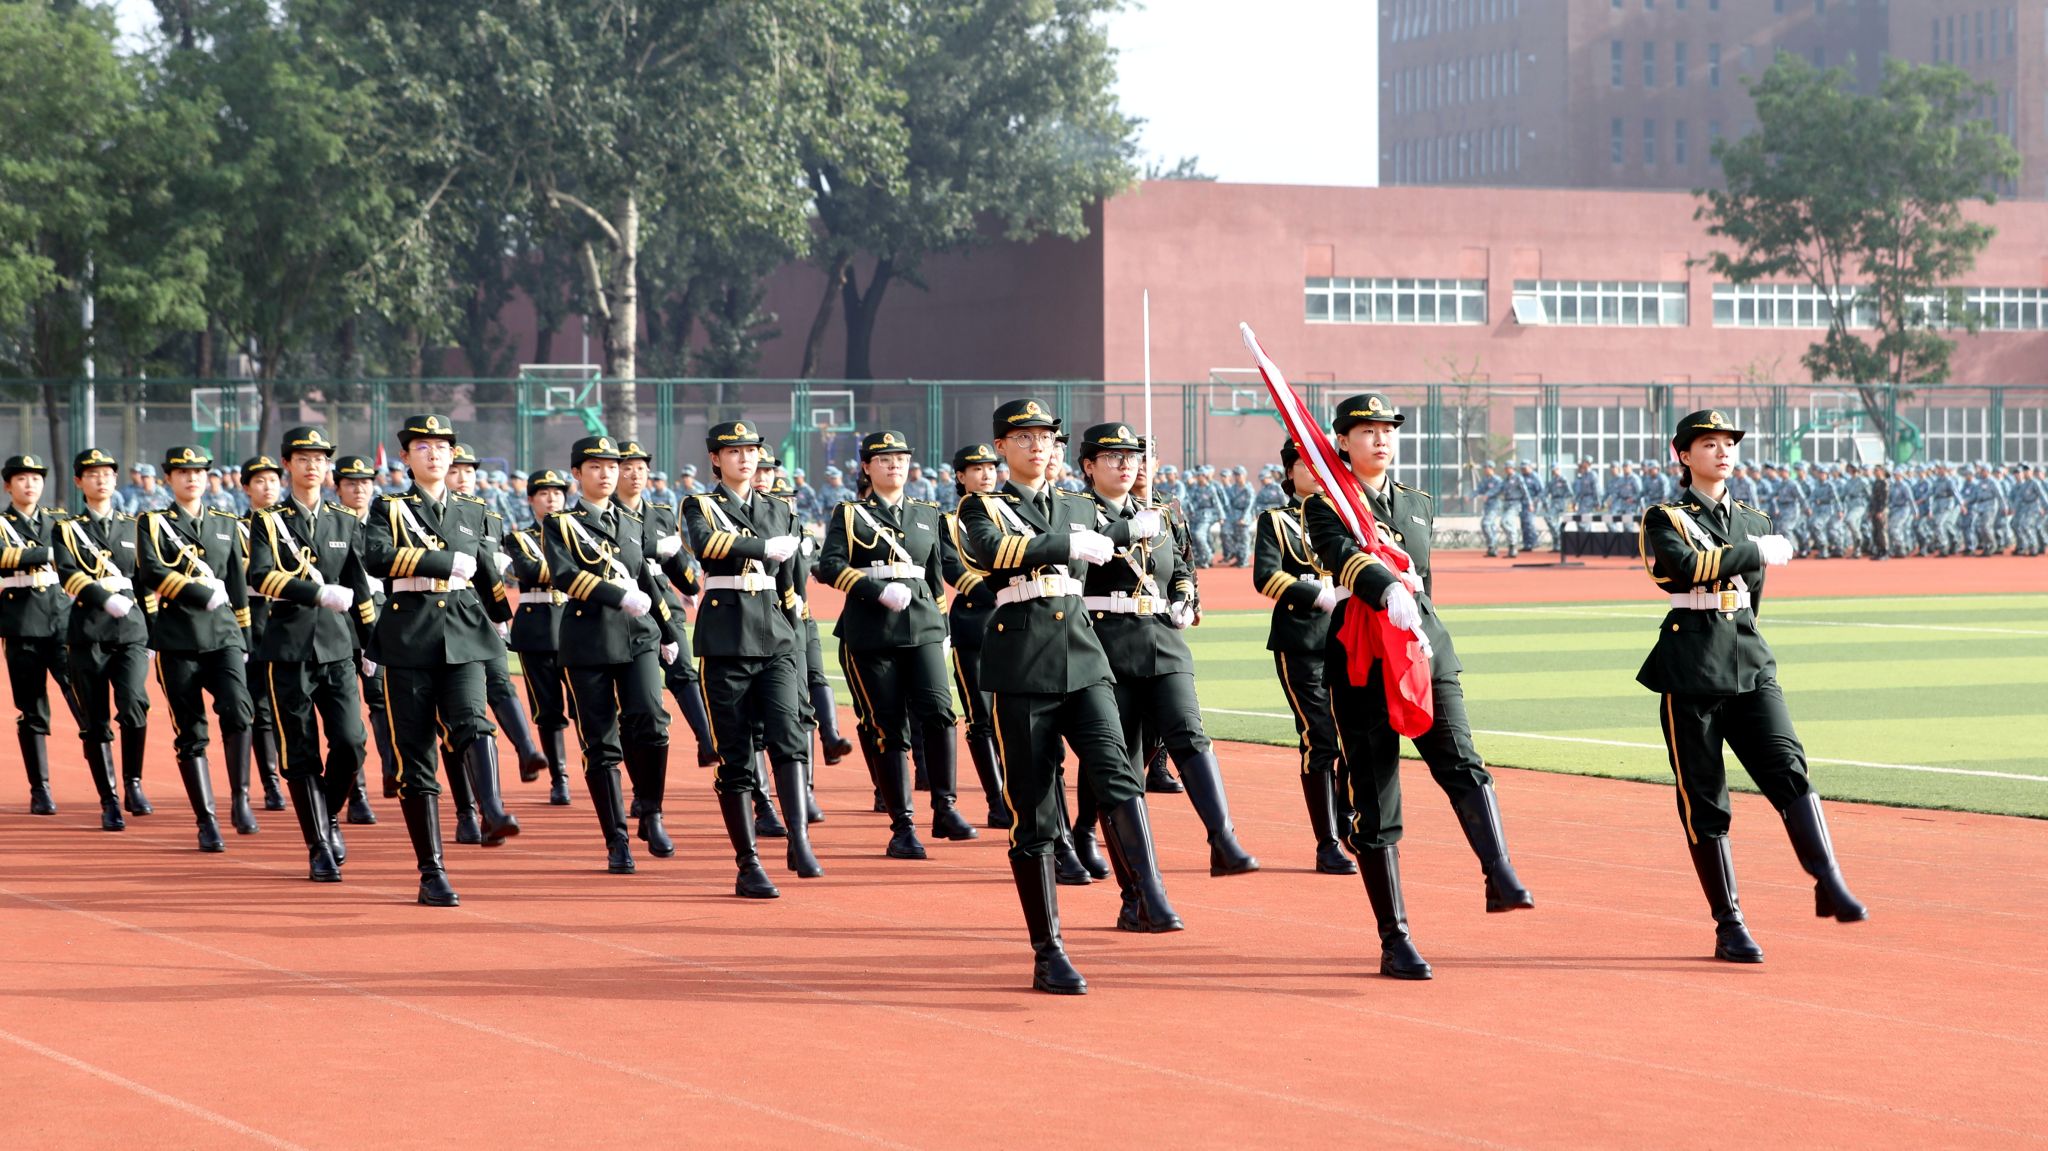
point(1151, 451)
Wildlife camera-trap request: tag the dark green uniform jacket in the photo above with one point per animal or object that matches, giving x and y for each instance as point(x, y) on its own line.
point(170, 547)
point(1705, 652)
point(536, 625)
point(1284, 570)
point(1406, 515)
point(286, 548)
point(90, 552)
point(439, 626)
point(1044, 646)
point(974, 598)
point(37, 610)
point(728, 534)
point(1139, 645)
point(595, 563)
point(869, 532)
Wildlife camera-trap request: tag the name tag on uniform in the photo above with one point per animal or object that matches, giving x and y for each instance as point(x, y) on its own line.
point(1420, 520)
point(129, 544)
point(219, 536)
point(464, 530)
point(337, 543)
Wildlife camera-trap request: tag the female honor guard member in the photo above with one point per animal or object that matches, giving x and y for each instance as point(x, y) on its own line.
point(263, 487)
point(498, 672)
point(1719, 681)
point(1285, 571)
point(882, 553)
point(306, 556)
point(536, 628)
point(615, 635)
point(974, 472)
point(1140, 603)
point(1050, 680)
point(746, 635)
point(191, 556)
point(355, 484)
point(33, 620)
point(433, 639)
point(109, 639)
point(676, 576)
point(1365, 427)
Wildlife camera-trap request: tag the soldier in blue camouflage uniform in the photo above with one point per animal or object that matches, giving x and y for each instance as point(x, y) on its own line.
point(1987, 507)
point(1624, 491)
point(1519, 493)
point(1856, 508)
point(1586, 488)
point(1789, 506)
point(1237, 527)
point(1557, 502)
point(1487, 491)
point(1203, 510)
point(1945, 506)
point(2030, 511)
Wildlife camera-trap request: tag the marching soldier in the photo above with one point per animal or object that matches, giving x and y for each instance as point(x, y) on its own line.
point(306, 557)
point(1140, 602)
point(1284, 569)
point(1719, 681)
point(433, 640)
point(678, 578)
point(746, 634)
point(613, 642)
point(191, 556)
point(818, 711)
point(1051, 682)
point(973, 601)
point(33, 619)
point(462, 477)
point(883, 553)
point(355, 485)
point(262, 481)
point(108, 636)
point(1365, 426)
point(536, 627)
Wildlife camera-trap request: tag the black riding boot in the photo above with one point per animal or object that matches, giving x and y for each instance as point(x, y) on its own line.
point(982, 750)
point(1715, 865)
point(1479, 815)
point(359, 809)
point(99, 763)
point(894, 770)
point(649, 768)
point(238, 748)
point(690, 702)
point(1204, 779)
point(480, 761)
point(1067, 865)
point(1128, 834)
point(556, 747)
point(423, 826)
point(512, 721)
point(459, 792)
point(767, 824)
point(1816, 850)
point(812, 812)
point(1085, 839)
point(1037, 890)
point(309, 802)
point(610, 805)
point(199, 790)
point(752, 883)
point(134, 749)
point(1322, 818)
point(266, 748)
point(942, 765)
point(35, 760)
point(789, 781)
point(836, 747)
point(1158, 780)
point(1381, 867)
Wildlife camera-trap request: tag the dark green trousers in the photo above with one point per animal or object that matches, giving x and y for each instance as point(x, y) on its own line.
point(187, 678)
point(746, 693)
point(1032, 734)
point(1372, 749)
point(429, 706)
point(309, 697)
point(1757, 726)
point(109, 672)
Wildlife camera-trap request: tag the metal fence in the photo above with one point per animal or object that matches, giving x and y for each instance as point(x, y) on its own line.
point(1452, 428)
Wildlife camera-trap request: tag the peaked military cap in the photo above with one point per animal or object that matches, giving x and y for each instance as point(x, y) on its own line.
point(254, 465)
point(16, 465)
point(186, 456)
point(974, 454)
point(631, 450)
point(1369, 407)
point(463, 454)
point(732, 434)
point(305, 439)
point(89, 458)
point(354, 468)
point(1109, 438)
point(427, 427)
point(1694, 426)
point(545, 479)
point(1019, 414)
point(593, 448)
point(883, 444)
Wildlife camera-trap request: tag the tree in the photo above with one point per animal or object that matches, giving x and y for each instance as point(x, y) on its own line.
point(1861, 197)
point(1186, 168)
point(1012, 130)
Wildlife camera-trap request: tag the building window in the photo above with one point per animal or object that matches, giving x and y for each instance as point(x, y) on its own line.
point(1607, 303)
point(1678, 143)
point(1614, 63)
point(1820, 7)
point(1614, 142)
point(1713, 5)
point(1713, 65)
point(1748, 58)
point(1387, 300)
point(1980, 36)
point(1934, 53)
point(1649, 64)
point(1778, 6)
point(1649, 141)
point(1783, 306)
point(1678, 64)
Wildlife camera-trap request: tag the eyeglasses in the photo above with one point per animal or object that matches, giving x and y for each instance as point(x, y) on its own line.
point(1032, 439)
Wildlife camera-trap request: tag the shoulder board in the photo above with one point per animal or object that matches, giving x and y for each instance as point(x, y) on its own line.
point(123, 518)
point(624, 511)
point(1412, 491)
point(331, 506)
point(926, 503)
point(470, 500)
point(1010, 496)
point(222, 514)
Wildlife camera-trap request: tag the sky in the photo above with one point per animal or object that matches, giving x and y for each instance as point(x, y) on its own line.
point(1266, 92)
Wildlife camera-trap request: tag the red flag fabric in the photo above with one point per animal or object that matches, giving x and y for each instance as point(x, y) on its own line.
point(1368, 635)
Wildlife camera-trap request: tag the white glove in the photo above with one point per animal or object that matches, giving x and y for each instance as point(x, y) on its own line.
point(1090, 547)
point(636, 603)
point(118, 606)
point(465, 565)
point(503, 560)
point(781, 547)
point(670, 652)
point(505, 629)
point(1146, 524)
point(895, 597)
point(690, 602)
point(668, 546)
point(336, 598)
point(1401, 608)
point(1180, 615)
point(219, 598)
point(1411, 581)
point(1775, 550)
point(1326, 600)
point(369, 668)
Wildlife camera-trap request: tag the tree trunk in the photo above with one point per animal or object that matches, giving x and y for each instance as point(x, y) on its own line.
point(622, 396)
point(53, 405)
point(814, 342)
point(544, 344)
point(204, 367)
point(861, 310)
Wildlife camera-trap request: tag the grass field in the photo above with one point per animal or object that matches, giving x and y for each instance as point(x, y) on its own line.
point(1932, 701)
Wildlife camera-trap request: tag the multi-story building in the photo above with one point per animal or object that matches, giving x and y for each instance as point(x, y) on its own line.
point(2005, 47)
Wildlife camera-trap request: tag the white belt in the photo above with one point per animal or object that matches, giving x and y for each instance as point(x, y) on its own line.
point(895, 571)
point(38, 578)
point(1045, 586)
point(554, 597)
point(750, 583)
point(422, 583)
point(376, 586)
point(1343, 593)
point(1707, 600)
point(117, 583)
point(1122, 603)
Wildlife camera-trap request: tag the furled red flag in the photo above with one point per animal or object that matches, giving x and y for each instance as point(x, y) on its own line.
point(381, 465)
point(1367, 635)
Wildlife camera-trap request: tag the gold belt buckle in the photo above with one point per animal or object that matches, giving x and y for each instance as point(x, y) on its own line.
point(750, 582)
point(1049, 584)
point(1144, 605)
point(1728, 600)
